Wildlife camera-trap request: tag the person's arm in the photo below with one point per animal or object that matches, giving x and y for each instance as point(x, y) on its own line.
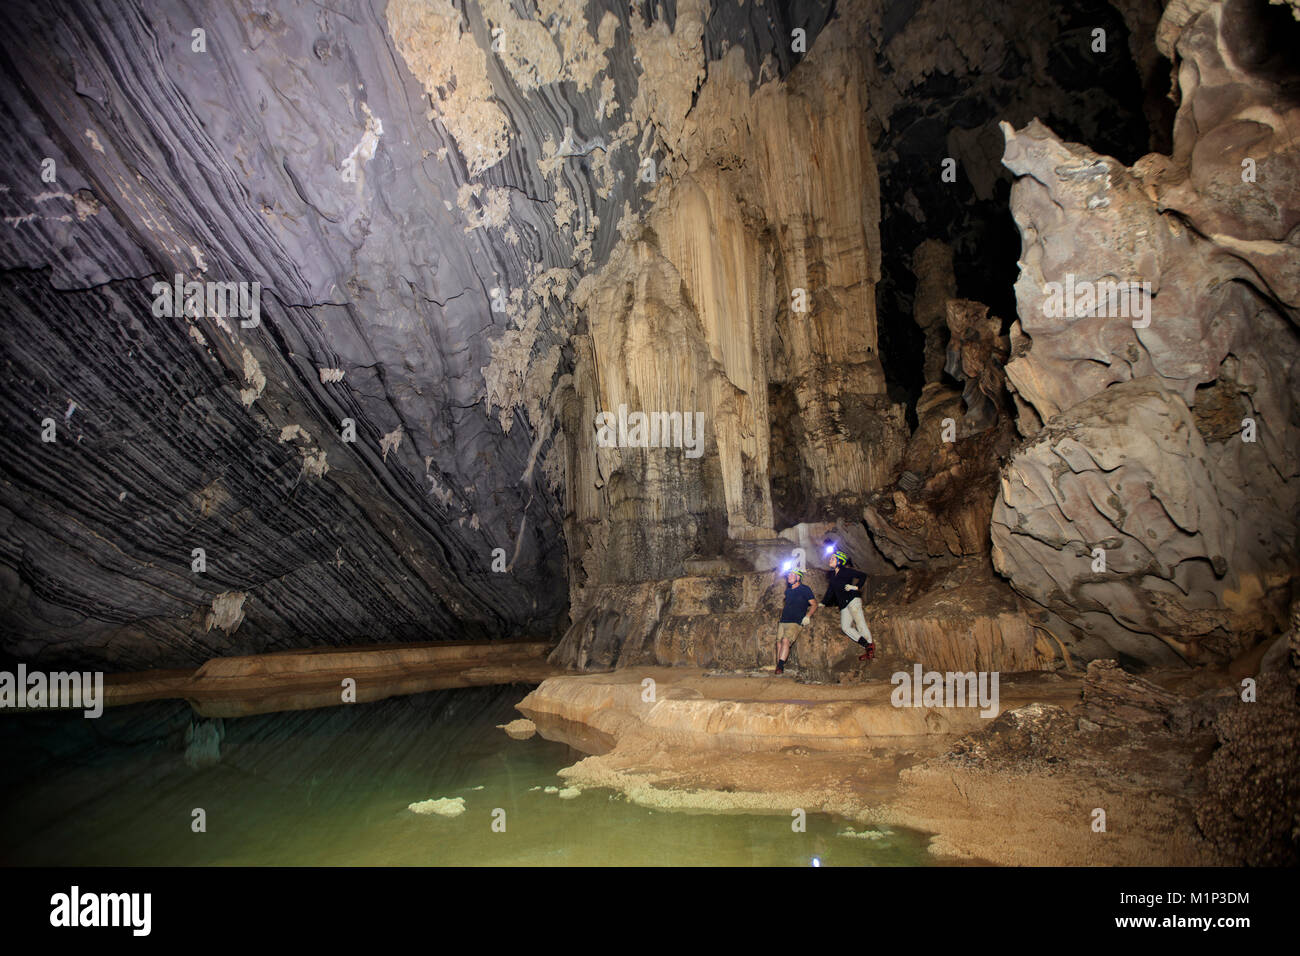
point(856, 580)
point(812, 609)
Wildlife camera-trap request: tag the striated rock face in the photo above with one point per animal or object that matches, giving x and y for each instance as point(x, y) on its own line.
point(293, 151)
point(415, 208)
point(1155, 506)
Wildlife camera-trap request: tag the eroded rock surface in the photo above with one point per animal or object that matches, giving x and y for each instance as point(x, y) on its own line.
point(940, 506)
point(960, 618)
point(1155, 508)
point(745, 294)
point(1018, 789)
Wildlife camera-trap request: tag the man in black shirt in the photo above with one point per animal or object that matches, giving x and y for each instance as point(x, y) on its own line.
point(844, 591)
point(800, 602)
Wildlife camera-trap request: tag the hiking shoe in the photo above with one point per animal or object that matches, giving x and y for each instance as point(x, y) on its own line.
point(780, 667)
point(871, 651)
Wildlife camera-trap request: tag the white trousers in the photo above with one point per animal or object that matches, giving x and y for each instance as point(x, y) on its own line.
point(852, 622)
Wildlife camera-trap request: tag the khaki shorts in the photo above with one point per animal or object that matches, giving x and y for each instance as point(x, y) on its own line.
point(788, 632)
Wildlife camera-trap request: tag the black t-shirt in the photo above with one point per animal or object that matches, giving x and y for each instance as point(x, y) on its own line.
point(797, 599)
point(836, 596)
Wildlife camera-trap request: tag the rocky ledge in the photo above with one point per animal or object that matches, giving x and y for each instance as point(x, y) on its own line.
point(1095, 768)
point(326, 677)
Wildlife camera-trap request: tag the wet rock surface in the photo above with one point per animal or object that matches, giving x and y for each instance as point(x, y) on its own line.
point(1018, 789)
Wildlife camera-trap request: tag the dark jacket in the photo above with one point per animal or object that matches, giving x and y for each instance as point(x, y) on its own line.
point(842, 578)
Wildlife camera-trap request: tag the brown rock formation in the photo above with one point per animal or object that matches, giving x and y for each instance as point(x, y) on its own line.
point(1020, 789)
point(1251, 806)
point(935, 285)
point(977, 353)
point(746, 294)
point(684, 708)
point(1027, 790)
point(303, 680)
point(961, 618)
point(1170, 439)
point(941, 505)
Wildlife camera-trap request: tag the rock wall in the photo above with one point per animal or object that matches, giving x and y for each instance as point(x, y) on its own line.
point(288, 147)
point(949, 70)
point(961, 618)
point(416, 205)
point(935, 285)
point(469, 250)
point(744, 293)
point(1154, 506)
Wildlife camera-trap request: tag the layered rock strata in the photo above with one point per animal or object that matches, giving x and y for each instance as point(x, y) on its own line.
point(304, 680)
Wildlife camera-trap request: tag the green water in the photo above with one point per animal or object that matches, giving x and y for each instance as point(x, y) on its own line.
point(331, 787)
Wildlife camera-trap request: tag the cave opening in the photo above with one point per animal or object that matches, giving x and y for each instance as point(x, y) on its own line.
point(1085, 97)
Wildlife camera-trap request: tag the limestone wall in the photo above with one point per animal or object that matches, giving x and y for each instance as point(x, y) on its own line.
point(746, 292)
point(1155, 505)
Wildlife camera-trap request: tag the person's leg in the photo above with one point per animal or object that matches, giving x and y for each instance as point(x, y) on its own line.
point(846, 625)
point(855, 607)
point(854, 626)
point(788, 634)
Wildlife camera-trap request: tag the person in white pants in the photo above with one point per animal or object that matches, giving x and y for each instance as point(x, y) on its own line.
point(844, 590)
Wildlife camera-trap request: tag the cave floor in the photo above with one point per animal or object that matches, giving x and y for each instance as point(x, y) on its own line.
point(1020, 790)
